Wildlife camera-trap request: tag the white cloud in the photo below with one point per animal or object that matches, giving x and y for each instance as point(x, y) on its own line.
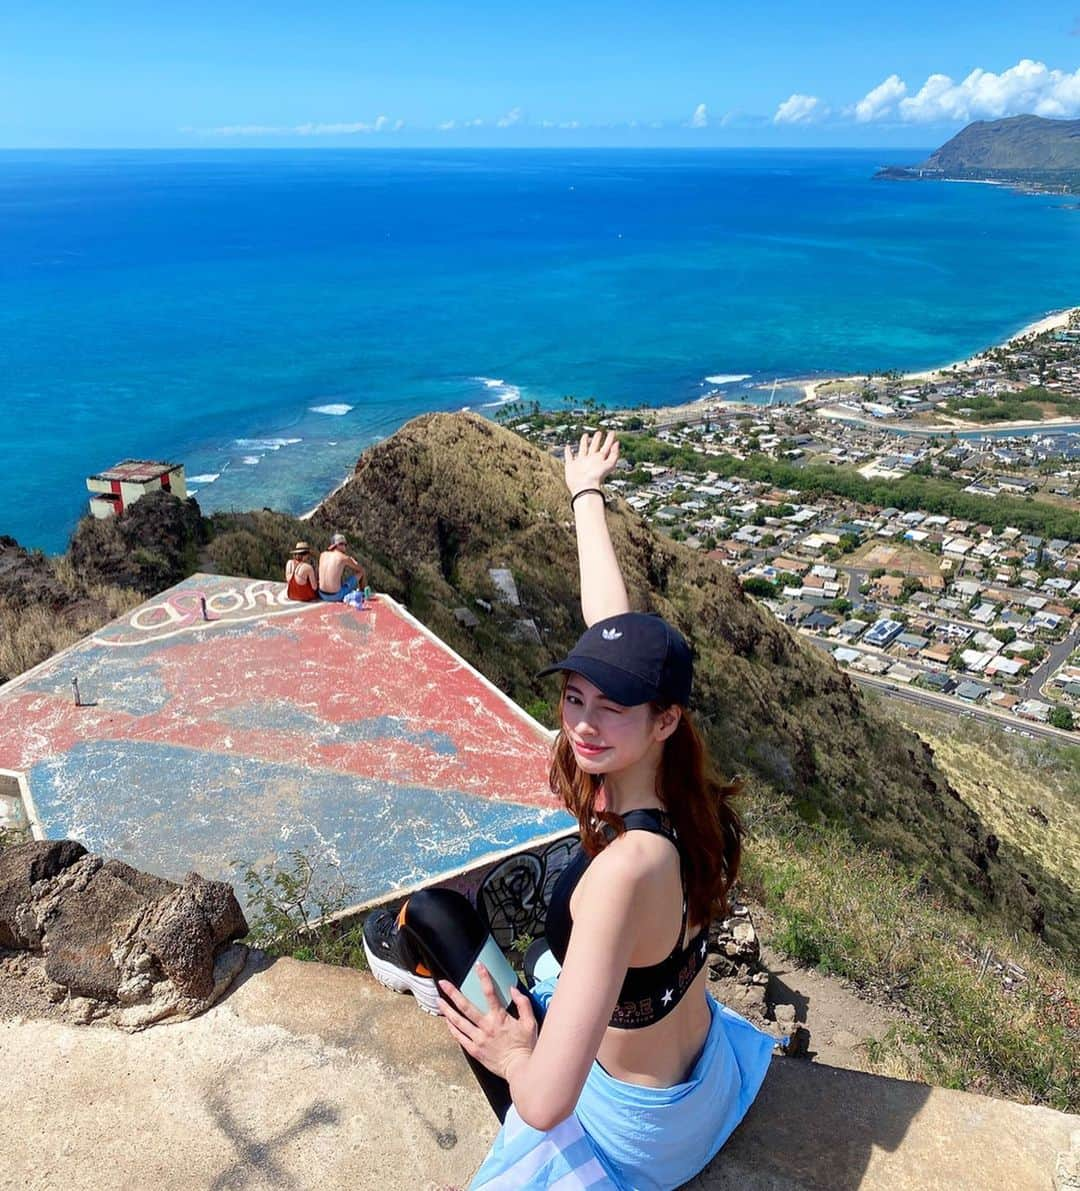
point(512, 117)
point(881, 101)
point(1027, 87)
point(799, 109)
point(351, 128)
point(330, 129)
point(700, 118)
point(242, 130)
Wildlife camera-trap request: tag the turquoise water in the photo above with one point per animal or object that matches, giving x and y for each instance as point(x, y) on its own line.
point(263, 316)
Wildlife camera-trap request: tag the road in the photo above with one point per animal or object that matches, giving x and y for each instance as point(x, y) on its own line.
point(987, 715)
point(1057, 656)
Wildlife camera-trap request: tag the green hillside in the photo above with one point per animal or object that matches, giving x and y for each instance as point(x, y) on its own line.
point(451, 496)
point(1029, 151)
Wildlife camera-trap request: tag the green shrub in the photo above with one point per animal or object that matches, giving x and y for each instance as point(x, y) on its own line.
point(291, 908)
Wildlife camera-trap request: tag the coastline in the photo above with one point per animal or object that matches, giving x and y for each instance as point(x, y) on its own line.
point(322, 500)
point(1054, 321)
point(810, 386)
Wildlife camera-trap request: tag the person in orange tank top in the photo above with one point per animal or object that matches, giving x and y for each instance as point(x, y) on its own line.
point(300, 574)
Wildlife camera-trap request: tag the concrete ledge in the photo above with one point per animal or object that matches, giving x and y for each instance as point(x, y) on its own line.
point(309, 1076)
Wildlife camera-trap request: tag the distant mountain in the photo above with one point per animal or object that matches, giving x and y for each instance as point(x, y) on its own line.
point(1027, 150)
point(1019, 143)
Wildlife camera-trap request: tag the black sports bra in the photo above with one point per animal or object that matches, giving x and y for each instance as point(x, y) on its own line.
point(647, 994)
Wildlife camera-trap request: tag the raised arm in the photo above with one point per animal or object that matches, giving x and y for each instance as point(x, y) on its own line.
point(603, 592)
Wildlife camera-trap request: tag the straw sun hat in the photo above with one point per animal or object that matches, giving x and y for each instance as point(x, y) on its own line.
point(301, 548)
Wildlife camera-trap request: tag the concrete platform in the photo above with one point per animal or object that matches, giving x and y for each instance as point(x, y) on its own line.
point(356, 737)
point(307, 1076)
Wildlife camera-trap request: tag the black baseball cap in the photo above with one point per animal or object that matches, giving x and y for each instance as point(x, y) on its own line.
point(633, 658)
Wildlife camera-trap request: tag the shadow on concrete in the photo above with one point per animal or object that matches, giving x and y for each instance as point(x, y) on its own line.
point(813, 1127)
point(256, 962)
point(256, 1165)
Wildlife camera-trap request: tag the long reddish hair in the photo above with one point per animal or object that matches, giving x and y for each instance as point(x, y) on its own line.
point(697, 802)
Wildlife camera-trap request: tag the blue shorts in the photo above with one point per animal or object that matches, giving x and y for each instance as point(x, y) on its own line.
point(347, 586)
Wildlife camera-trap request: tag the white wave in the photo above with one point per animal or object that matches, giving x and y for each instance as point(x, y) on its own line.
point(264, 444)
point(209, 478)
point(725, 378)
point(251, 460)
point(336, 409)
point(501, 389)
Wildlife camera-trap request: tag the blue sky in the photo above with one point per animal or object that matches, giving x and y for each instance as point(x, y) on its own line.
point(410, 73)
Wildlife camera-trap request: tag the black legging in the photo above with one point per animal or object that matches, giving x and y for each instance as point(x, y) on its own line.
point(448, 934)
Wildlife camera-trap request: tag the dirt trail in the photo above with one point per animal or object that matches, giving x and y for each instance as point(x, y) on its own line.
point(839, 1020)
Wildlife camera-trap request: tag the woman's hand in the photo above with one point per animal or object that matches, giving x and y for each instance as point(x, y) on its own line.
point(494, 1038)
point(593, 463)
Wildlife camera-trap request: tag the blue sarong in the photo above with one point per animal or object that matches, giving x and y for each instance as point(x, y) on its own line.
point(633, 1138)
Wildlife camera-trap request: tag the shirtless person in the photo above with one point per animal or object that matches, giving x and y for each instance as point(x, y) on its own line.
point(300, 574)
point(333, 586)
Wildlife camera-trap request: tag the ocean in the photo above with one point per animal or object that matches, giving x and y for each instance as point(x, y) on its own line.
point(263, 316)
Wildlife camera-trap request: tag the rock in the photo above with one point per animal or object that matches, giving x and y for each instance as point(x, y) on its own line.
point(130, 944)
point(735, 941)
point(761, 978)
point(162, 1004)
point(183, 930)
point(751, 1000)
point(81, 931)
point(503, 578)
point(1038, 814)
point(21, 868)
point(798, 1042)
point(723, 967)
point(27, 579)
point(525, 630)
point(148, 547)
point(466, 617)
point(83, 1010)
point(785, 1015)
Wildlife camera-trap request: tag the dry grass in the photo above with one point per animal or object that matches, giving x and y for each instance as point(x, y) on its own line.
point(894, 557)
point(30, 635)
point(854, 912)
point(1004, 777)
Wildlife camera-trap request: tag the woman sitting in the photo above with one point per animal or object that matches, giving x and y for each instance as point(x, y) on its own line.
point(300, 574)
point(638, 1076)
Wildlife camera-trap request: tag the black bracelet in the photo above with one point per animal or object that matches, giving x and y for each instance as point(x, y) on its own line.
point(585, 492)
